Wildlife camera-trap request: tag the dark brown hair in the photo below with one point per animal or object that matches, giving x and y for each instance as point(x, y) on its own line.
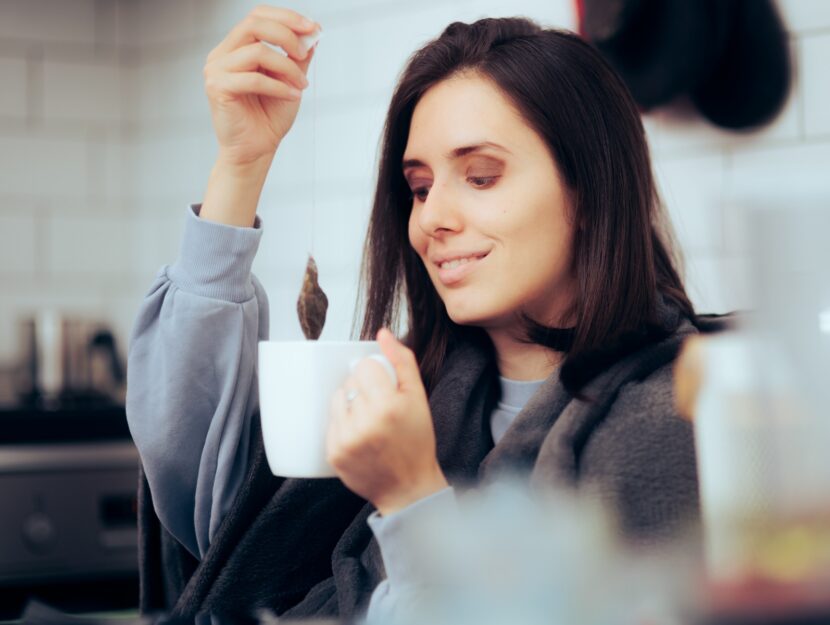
point(572, 98)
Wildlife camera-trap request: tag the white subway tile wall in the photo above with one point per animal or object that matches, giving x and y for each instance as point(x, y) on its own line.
point(692, 191)
point(42, 21)
point(18, 242)
point(816, 51)
point(13, 98)
point(85, 91)
point(803, 16)
point(106, 137)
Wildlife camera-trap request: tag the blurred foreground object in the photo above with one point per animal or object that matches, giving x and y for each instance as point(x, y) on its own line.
point(538, 556)
point(760, 402)
point(730, 56)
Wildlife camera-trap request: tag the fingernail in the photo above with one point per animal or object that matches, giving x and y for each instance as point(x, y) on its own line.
point(307, 23)
point(295, 93)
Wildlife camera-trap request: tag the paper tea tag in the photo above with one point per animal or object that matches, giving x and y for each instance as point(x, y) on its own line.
point(309, 41)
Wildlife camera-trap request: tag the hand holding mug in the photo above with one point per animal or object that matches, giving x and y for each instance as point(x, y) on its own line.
point(381, 442)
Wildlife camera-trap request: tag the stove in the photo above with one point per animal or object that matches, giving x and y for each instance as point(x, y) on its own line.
point(68, 480)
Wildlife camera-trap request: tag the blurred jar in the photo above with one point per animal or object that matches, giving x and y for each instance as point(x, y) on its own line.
point(762, 421)
point(763, 469)
point(65, 359)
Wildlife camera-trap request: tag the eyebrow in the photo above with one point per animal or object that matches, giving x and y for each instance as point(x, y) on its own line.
point(457, 153)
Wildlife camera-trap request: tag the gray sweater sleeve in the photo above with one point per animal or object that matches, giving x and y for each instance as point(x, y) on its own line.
point(404, 586)
point(192, 379)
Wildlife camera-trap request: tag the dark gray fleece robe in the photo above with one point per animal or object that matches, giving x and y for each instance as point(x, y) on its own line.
point(303, 548)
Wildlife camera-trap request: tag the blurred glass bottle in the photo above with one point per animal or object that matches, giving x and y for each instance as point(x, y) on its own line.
point(762, 420)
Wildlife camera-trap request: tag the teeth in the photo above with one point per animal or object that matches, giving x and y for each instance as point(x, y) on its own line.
point(457, 262)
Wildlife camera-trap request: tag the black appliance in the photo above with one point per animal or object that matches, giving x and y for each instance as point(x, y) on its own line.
point(68, 480)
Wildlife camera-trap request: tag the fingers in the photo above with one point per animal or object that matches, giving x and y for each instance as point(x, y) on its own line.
point(255, 56)
point(304, 64)
point(403, 359)
point(286, 16)
point(240, 64)
point(347, 425)
point(688, 375)
point(297, 23)
point(252, 83)
point(371, 379)
point(284, 30)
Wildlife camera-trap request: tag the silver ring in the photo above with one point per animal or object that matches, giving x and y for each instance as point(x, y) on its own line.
point(350, 397)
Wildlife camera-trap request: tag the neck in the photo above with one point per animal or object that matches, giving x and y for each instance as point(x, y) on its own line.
point(522, 361)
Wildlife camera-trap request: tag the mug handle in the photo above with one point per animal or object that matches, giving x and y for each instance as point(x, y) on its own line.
point(382, 360)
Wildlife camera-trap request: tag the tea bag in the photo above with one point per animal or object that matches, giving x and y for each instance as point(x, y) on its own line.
point(313, 303)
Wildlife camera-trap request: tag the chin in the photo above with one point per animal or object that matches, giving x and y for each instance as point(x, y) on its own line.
point(471, 317)
point(464, 318)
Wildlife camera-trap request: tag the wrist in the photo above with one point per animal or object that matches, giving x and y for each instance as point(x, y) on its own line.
point(233, 191)
point(242, 169)
point(393, 502)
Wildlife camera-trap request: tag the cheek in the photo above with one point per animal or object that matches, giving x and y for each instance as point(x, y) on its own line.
point(417, 239)
point(543, 246)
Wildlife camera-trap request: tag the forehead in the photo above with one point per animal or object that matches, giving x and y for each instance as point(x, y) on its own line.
point(463, 110)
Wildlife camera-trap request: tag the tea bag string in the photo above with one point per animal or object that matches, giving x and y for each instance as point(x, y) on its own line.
point(313, 150)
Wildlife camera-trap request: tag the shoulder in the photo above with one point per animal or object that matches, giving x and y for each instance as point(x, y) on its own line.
point(641, 455)
point(639, 417)
point(641, 423)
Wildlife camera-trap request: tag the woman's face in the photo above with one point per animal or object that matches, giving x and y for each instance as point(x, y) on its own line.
point(487, 189)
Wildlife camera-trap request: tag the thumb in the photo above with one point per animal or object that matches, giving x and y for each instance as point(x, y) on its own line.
point(402, 359)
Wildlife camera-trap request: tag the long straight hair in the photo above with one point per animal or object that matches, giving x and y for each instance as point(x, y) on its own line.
point(622, 250)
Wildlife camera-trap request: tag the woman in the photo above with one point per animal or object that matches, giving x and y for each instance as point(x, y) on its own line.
point(516, 218)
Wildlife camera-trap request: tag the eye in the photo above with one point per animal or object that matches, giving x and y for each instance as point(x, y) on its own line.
point(479, 182)
point(482, 182)
point(419, 193)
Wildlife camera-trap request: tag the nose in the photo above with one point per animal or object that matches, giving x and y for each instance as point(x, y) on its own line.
point(440, 211)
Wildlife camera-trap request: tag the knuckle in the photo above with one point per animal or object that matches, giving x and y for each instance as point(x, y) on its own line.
point(346, 450)
point(209, 66)
point(395, 411)
point(211, 83)
point(334, 458)
point(371, 441)
point(336, 453)
point(386, 418)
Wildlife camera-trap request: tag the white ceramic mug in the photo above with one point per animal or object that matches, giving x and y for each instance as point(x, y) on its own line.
point(296, 382)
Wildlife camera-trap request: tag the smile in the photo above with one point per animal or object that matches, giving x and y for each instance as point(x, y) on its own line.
point(452, 264)
point(456, 270)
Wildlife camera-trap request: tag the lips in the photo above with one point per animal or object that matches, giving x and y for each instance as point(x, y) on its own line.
point(454, 275)
point(449, 257)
